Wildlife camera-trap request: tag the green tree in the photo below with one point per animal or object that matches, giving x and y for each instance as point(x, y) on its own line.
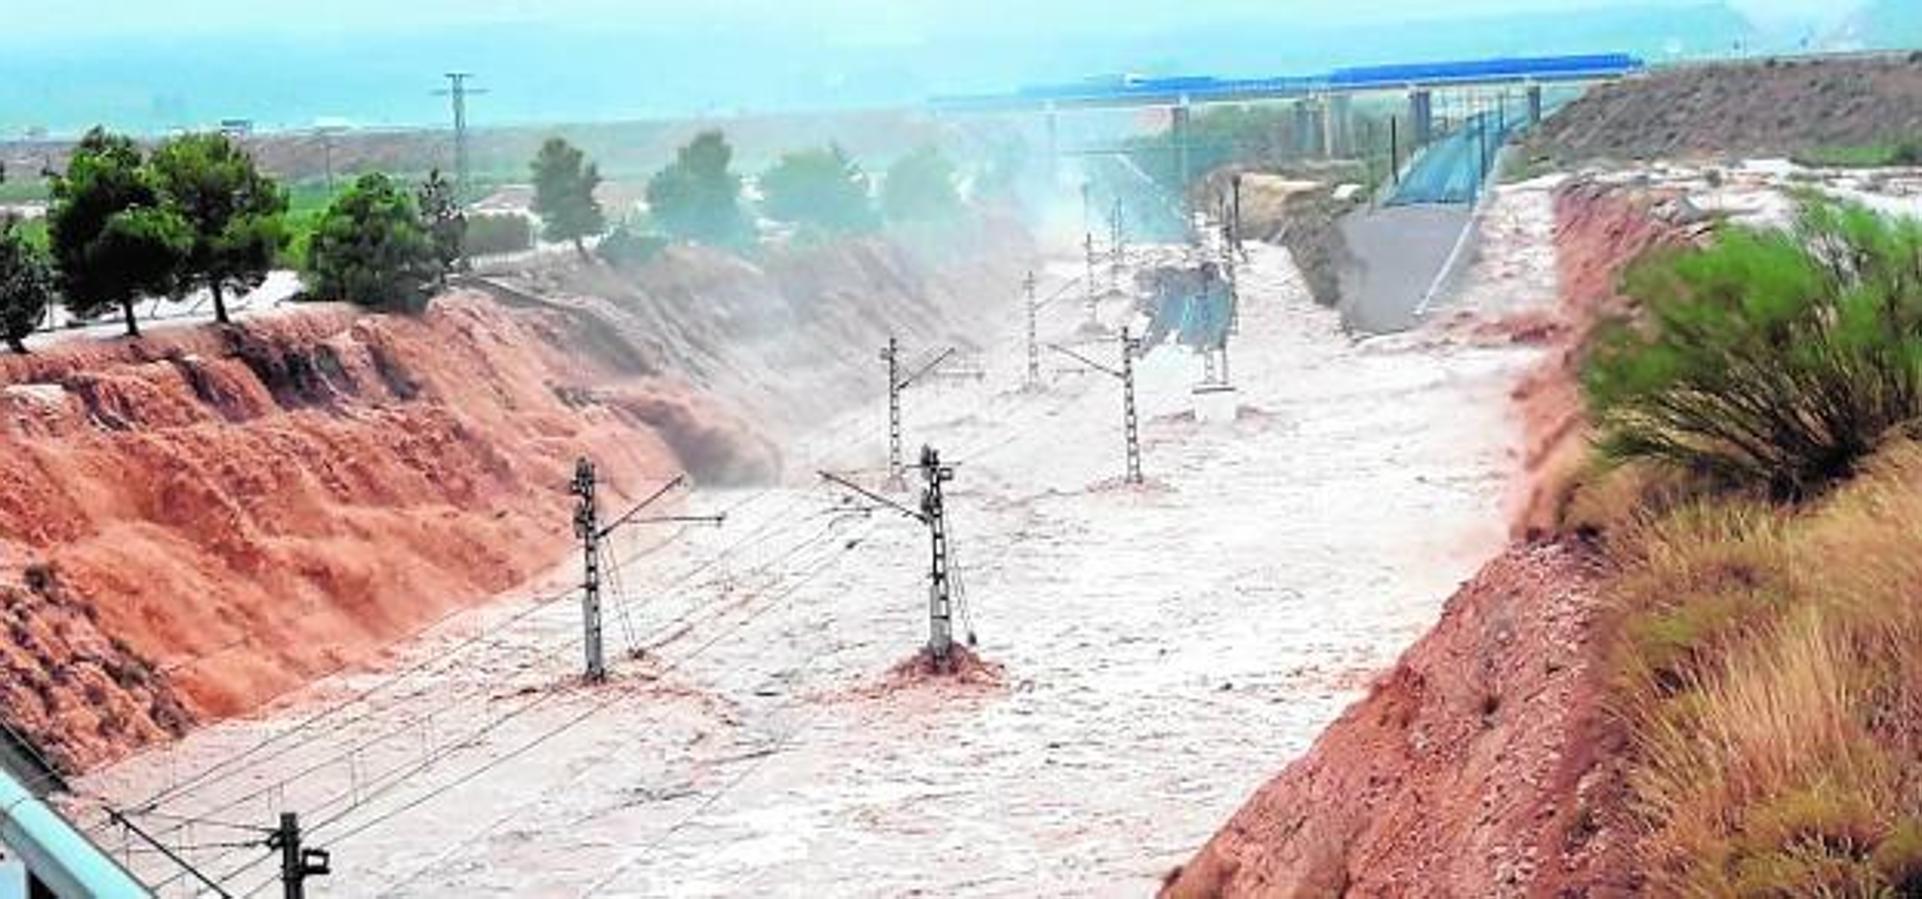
point(371, 249)
point(26, 285)
point(235, 213)
point(698, 198)
point(445, 221)
point(920, 188)
point(564, 183)
point(114, 240)
point(1772, 360)
point(820, 188)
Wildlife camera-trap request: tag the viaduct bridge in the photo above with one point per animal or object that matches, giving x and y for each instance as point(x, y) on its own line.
point(1321, 101)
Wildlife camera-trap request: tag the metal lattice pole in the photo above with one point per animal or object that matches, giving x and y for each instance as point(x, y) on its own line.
point(1034, 346)
point(940, 600)
point(1087, 245)
point(1128, 347)
point(456, 93)
point(1117, 247)
point(892, 356)
point(587, 526)
point(296, 863)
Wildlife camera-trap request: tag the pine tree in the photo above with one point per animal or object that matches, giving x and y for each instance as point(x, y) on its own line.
point(564, 184)
point(233, 210)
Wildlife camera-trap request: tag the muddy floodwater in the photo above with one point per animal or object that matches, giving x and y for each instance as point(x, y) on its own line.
point(1161, 650)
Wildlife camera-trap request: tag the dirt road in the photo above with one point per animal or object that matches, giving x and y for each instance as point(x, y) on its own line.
point(1162, 650)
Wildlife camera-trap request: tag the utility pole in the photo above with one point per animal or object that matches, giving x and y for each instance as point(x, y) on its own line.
point(940, 599)
point(296, 863)
point(1130, 419)
point(1128, 347)
point(1235, 183)
point(1394, 150)
point(1034, 348)
point(1117, 247)
point(327, 133)
point(932, 513)
point(457, 93)
point(1087, 245)
point(587, 526)
point(891, 354)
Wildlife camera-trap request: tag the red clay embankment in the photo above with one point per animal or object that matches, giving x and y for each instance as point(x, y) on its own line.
point(194, 523)
point(1599, 230)
point(197, 522)
point(1484, 764)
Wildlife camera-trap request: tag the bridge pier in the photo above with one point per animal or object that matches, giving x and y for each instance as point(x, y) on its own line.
point(1178, 127)
point(1334, 126)
point(1307, 128)
point(1534, 105)
point(1421, 116)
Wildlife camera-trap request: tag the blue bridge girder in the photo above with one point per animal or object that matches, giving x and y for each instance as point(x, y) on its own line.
point(1189, 90)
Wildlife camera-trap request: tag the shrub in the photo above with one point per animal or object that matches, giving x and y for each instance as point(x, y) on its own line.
point(920, 187)
point(819, 189)
point(502, 232)
point(627, 246)
point(1899, 859)
point(697, 197)
point(1908, 152)
point(1772, 360)
point(26, 284)
point(370, 248)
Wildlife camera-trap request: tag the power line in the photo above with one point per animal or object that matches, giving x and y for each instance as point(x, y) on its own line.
point(445, 660)
point(606, 701)
point(307, 725)
point(410, 725)
point(393, 781)
point(457, 93)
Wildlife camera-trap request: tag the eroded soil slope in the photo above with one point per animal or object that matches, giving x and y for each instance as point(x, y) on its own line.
point(1484, 764)
point(195, 523)
point(1466, 772)
point(1761, 108)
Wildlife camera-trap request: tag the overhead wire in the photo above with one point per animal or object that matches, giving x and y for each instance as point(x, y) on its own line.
point(606, 701)
point(396, 777)
point(623, 601)
point(409, 726)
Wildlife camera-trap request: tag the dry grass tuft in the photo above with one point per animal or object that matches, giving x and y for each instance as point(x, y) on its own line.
point(1770, 669)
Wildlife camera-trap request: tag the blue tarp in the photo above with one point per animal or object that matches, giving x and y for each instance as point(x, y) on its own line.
point(1193, 308)
point(1451, 170)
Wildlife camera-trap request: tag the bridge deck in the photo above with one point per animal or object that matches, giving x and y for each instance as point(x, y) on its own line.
point(1123, 91)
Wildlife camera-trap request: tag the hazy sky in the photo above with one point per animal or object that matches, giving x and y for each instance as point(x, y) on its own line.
point(152, 66)
point(857, 19)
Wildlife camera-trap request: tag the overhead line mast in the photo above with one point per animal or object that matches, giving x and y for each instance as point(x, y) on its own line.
point(588, 527)
point(457, 93)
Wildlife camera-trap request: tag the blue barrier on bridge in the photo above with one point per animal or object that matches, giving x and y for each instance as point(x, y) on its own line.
point(1544, 68)
point(1131, 90)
